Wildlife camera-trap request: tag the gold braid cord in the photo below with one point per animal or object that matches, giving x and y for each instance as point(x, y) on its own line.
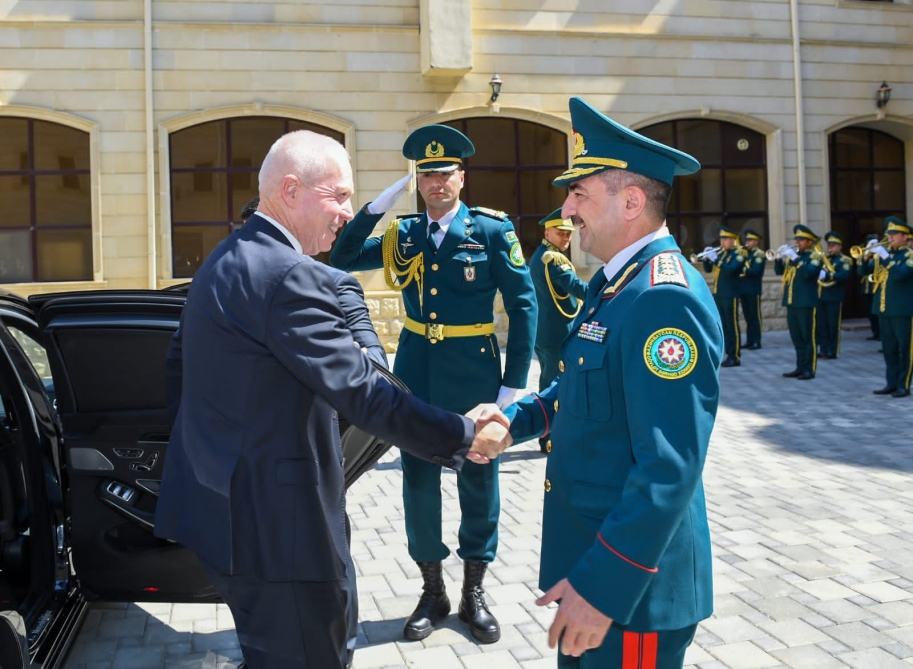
point(553, 258)
point(789, 273)
point(398, 271)
point(880, 280)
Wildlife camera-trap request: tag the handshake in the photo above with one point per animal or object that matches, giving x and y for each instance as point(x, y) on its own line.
point(492, 436)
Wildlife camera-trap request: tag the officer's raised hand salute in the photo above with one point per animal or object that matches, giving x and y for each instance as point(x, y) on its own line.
point(449, 262)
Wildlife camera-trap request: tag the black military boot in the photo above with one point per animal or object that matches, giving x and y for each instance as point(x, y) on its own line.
point(433, 605)
point(473, 610)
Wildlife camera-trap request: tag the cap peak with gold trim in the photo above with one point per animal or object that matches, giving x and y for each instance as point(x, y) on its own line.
point(554, 220)
point(804, 232)
point(834, 237)
point(895, 224)
point(601, 144)
point(726, 232)
point(751, 234)
point(437, 148)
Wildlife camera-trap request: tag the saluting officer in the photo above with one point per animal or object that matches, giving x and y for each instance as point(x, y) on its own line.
point(449, 262)
point(750, 285)
point(800, 271)
point(894, 305)
point(559, 292)
point(727, 266)
point(832, 294)
point(625, 541)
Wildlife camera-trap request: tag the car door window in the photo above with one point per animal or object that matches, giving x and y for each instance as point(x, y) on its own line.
point(36, 355)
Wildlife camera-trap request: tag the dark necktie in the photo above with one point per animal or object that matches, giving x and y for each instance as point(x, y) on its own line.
point(433, 228)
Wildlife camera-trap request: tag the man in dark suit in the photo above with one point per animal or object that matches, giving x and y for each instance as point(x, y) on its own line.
point(253, 478)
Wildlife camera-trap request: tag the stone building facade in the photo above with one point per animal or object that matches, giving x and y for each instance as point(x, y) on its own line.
point(131, 130)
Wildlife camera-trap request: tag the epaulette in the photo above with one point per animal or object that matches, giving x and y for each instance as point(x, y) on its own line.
point(667, 268)
point(404, 217)
point(493, 213)
point(555, 257)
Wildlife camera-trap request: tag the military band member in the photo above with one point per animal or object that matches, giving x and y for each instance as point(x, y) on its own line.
point(727, 266)
point(865, 267)
point(559, 292)
point(894, 305)
point(625, 540)
point(832, 294)
point(750, 285)
point(800, 269)
point(449, 262)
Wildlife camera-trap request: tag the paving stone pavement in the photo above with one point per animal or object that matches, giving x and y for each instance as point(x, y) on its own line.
point(810, 494)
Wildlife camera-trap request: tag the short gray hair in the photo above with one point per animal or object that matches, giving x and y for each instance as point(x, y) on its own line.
point(308, 155)
point(657, 192)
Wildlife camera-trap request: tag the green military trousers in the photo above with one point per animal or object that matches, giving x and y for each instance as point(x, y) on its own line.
point(895, 342)
point(801, 323)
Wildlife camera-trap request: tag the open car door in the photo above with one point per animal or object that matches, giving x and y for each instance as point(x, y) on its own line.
point(106, 351)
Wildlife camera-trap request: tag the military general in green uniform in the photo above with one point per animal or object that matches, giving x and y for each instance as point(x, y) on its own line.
point(751, 283)
point(449, 262)
point(625, 539)
point(727, 267)
point(559, 292)
point(832, 281)
point(800, 269)
point(894, 305)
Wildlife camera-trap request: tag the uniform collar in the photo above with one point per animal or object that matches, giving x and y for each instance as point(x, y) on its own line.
point(621, 259)
point(551, 247)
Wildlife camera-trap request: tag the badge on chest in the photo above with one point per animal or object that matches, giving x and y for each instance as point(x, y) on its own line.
point(592, 332)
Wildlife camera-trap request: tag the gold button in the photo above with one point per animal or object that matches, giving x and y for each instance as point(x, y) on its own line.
point(432, 315)
point(434, 267)
point(434, 291)
point(467, 231)
point(548, 446)
point(433, 341)
point(556, 406)
point(580, 360)
point(482, 350)
point(561, 365)
point(548, 485)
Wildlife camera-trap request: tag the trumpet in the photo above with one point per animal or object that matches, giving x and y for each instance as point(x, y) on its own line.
point(770, 254)
point(698, 257)
point(856, 252)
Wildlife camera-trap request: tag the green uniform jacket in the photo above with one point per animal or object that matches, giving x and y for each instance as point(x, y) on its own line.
point(864, 268)
point(479, 255)
point(843, 266)
point(800, 284)
point(726, 270)
point(752, 279)
point(894, 296)
point(559, 304)
point(630, 419)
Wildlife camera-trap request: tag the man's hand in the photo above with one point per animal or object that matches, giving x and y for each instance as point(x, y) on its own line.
point(492, 436)
point(790, 253)
point(507, 396)
point(711, 255)
point(389, 196)
point(584, 627)
point(882, 252)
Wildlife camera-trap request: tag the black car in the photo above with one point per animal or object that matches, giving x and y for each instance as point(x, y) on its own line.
point(84, 427)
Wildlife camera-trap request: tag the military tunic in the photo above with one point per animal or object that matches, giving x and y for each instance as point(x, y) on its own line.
point(893, 302)
point(866, 268)
point(559, 292)
point(750, 286)
point(800, 297)
point(830, 311)
point(726, 269)
point(454, 286)
point(630, 419)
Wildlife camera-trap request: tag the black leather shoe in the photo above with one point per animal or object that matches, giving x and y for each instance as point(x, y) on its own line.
point(805, 376)
point(433, 606)
point(887, 390)
point(793, 374)
point(873, 338)
point(900, 392)
point(483, 626)
point(731, 362)
point(753, 347)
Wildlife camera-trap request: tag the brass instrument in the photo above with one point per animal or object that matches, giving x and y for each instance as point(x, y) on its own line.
point(698, 257)
point(828, 265)
point(770, 254)
point(857, 252)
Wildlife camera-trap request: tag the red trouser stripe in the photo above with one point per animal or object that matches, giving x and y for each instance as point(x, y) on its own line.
point(639, 650)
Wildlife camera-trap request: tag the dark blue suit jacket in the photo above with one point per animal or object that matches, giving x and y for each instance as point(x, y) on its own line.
point(253, 477)
point(358, 320)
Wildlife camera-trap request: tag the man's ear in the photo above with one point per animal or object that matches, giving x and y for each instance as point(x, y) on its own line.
point(289, 187)
point(635, 202)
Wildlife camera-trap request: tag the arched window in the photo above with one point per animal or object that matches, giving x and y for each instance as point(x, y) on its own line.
point(45, 202)
point(512, 171)
point(867, 181)
point(214, 170)
point(730, 189)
